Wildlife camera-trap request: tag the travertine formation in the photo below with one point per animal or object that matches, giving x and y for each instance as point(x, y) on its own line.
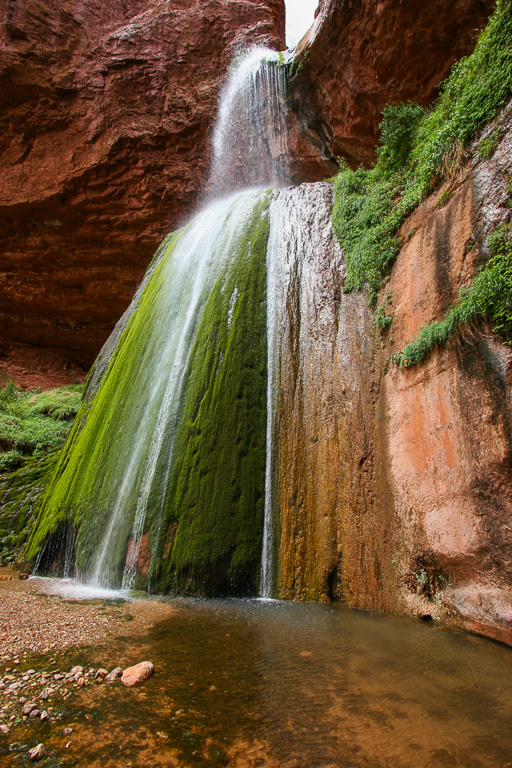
point(394, 486)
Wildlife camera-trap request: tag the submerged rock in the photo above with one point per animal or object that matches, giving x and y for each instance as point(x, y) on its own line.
point(137, 674)
point(117, 672)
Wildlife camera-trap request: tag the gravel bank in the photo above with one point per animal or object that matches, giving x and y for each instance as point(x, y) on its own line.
point(34, 622)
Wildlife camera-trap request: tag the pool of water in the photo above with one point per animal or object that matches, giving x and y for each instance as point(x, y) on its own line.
point(282, 685)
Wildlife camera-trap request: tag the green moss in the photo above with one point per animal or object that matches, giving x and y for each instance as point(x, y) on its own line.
point(489, 296)
point(214, 507)
point(86, 479)
point(212, 455)
point(20, 493)
point(418, 148)
point(34, 422)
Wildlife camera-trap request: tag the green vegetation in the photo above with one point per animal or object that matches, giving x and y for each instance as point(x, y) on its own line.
point(488, 296)
point(420, 148)
point(382, 320)
point(34, 422)
point(486, 146)
point(20, 492)
point(214, 504)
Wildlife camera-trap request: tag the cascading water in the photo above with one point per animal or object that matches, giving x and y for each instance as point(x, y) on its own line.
point(164, 474)
point(250, 140)
point(199, 257)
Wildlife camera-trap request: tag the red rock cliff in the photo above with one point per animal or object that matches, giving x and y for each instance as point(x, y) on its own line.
point(106, 108)
point(364, 54)
point(394, 487)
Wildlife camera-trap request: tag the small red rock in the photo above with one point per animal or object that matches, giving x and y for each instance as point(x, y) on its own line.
point(101, 673)
point(137, 674)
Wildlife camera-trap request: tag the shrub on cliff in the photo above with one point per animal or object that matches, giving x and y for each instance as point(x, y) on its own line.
point(418, 148)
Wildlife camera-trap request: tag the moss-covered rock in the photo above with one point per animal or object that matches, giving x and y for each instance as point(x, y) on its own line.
point(172, 444)
point(20, 492)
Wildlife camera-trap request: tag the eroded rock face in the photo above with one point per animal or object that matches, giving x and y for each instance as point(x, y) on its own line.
point(393, 488)
point(106, 109)
point(364, 54)
point(323, 357)
point(444, 437)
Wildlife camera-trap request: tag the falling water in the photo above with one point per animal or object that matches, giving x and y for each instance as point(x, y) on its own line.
point(250, 140)
point(201, 254)
point(250, 149)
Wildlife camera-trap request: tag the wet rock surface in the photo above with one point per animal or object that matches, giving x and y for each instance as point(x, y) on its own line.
point(137, 674)
point(394, 486)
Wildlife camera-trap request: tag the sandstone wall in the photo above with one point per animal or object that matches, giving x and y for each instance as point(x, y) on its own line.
point(393, 488)
point(364, 54)
point(106, 110)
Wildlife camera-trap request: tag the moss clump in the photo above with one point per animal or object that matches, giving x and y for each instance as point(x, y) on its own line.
point(34, 422)
point(418, 148)
point(214, 505)
point(20, 492)
point(489, 296)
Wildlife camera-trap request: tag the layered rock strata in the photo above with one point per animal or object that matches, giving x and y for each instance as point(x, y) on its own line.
point(361, 55)
point(393, 487)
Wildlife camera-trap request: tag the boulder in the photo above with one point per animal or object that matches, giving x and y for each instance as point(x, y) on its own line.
point(137, 674)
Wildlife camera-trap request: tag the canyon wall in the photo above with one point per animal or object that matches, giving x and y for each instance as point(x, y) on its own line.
point(394, 486)
point(106, 113)
point(361, 55)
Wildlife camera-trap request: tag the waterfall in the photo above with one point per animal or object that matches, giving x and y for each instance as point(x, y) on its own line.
point(201, 254)
point(166, 477)
point(250, 139)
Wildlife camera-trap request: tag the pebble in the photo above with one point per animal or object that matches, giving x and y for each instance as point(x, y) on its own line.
point(37, 753)
point(101, 673)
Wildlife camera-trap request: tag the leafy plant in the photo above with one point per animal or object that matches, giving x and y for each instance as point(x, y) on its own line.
point(34, 422)
point(381, 320)
point(418, 148)
point(486, 146)
point(489, 296)
point(444, 198)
